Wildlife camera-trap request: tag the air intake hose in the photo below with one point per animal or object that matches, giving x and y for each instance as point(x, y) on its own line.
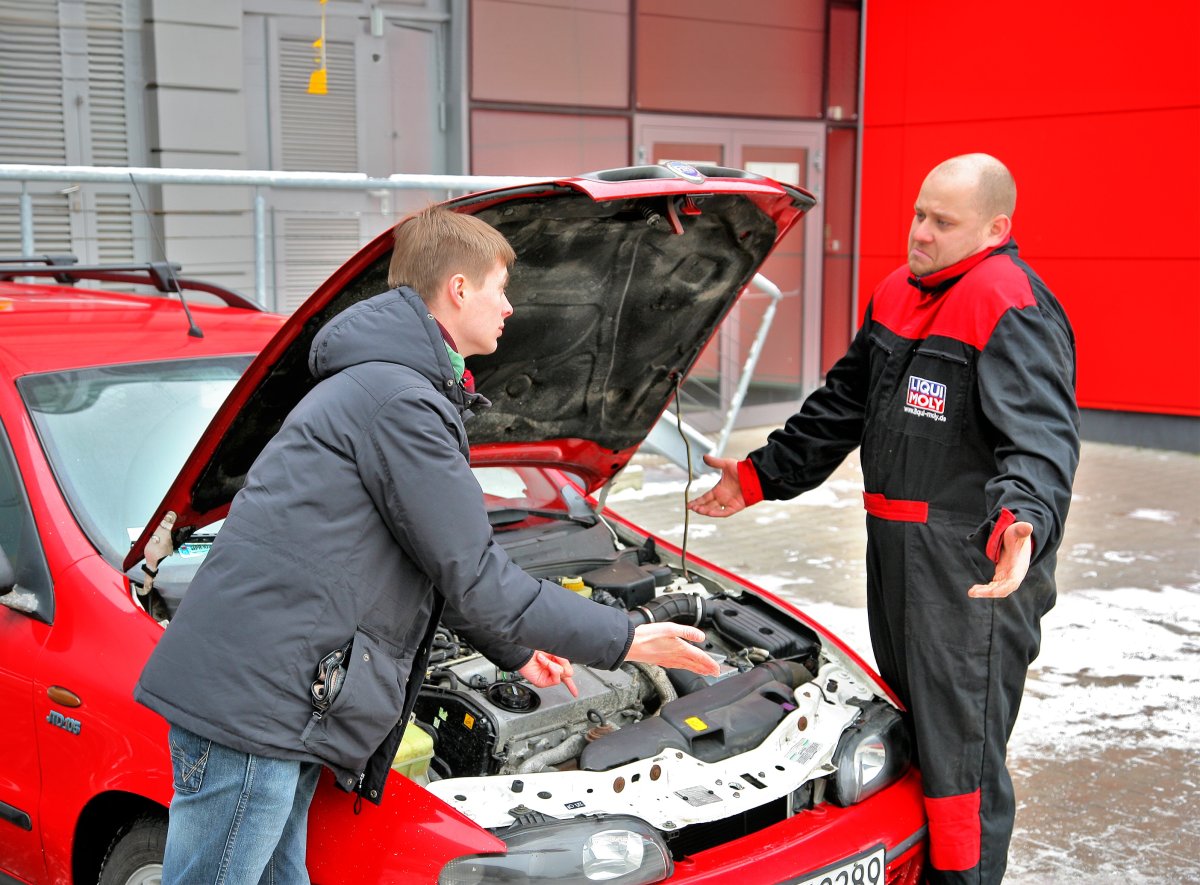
point(677, 608)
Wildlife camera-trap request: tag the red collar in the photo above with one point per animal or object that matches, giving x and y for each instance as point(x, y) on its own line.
point(940, 280)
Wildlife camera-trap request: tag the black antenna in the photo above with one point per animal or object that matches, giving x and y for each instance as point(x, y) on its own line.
point(193, 329)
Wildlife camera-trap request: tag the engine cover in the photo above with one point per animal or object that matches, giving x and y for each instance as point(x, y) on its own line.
point(483, 725)
point(730, 717)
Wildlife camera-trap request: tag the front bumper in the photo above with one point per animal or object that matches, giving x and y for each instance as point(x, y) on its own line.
point(810, 840)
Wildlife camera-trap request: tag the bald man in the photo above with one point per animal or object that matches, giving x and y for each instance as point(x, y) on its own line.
point(960, 389)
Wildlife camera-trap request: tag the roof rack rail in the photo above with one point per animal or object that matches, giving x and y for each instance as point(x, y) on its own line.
point(158, 274)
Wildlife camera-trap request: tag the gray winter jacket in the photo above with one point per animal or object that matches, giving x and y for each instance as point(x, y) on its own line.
point(357, 521)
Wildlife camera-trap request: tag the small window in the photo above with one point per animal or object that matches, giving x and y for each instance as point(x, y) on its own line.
point(34, 591)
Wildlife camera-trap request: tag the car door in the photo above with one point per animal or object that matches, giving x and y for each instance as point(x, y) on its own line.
point(26, 611)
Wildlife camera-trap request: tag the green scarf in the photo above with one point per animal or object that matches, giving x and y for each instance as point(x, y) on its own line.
point(459, 364)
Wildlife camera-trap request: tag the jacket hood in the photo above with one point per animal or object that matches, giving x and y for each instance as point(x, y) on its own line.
point(621, 278)
point(394, 327)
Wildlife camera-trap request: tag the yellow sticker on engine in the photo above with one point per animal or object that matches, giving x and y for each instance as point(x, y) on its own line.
point(468, 720)
point(696, 723)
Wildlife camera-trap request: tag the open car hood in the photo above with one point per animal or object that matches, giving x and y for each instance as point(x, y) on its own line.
point(621, 278)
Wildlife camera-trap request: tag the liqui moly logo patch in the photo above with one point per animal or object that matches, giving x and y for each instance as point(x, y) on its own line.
point(926, 398)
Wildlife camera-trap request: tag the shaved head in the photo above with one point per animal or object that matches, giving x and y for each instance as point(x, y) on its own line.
point(965, 206)
point(995, 190)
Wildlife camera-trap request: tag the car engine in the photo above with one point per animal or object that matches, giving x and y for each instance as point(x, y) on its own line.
point(486, 722)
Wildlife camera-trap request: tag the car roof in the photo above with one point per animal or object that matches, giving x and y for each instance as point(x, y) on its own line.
point(52, 327)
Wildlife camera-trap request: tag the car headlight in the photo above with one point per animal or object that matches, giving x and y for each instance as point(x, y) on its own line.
point(617, 850)
point(872, 753)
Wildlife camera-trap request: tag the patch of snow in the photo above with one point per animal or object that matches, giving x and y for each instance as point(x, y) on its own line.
point(1154, 515)
point(695, 530)
point(653, 490)
point(1115, 661)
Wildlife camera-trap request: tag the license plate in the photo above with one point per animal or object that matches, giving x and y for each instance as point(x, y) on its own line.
point(862, 869)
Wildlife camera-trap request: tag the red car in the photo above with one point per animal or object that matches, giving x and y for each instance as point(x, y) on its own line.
point(792, 766)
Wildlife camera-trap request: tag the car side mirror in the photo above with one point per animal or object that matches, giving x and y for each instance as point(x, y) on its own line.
point(18, 598)
point(8, 577)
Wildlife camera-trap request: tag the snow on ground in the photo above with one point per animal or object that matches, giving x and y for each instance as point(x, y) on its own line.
point(1168, 516)
point(1113, 661)
point(1104, 747)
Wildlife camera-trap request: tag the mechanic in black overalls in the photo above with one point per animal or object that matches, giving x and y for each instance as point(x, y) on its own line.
point(960, 389)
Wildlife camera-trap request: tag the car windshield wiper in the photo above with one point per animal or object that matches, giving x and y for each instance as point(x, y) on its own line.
point(511, 515)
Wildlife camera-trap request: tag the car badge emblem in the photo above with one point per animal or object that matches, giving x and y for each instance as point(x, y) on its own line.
point(686, 171)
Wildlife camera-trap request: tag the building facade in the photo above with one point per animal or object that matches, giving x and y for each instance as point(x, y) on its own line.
point(821, 93)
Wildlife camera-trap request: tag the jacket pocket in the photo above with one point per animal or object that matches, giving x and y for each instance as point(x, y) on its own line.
point(365, 708)
point(943, 561)
point(932, 396)
point(189, 758)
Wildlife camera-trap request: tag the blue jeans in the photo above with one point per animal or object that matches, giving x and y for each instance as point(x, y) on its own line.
point(236, 819)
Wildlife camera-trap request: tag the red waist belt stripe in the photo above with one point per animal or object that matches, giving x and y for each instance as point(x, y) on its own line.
point(896, 511)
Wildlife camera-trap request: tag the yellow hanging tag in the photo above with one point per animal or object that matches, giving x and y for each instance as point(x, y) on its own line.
point(318, 80)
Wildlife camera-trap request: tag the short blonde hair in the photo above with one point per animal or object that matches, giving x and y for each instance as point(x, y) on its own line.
point(435, 243)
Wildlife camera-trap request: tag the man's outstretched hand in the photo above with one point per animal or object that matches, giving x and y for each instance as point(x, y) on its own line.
point(668, 645)
point(1016, 547)
point(725, 498)
point(545, 669)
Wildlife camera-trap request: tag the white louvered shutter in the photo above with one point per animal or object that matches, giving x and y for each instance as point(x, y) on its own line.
point(111, 206)
point(64, 84)
point(32, 128)
point(313, 248)
point(319, 133)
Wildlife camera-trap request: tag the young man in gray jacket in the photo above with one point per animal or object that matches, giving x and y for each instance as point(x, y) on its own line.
point(376, 455)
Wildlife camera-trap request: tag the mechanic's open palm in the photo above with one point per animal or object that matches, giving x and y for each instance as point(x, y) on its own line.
point(725, 498)
point(1016, 547)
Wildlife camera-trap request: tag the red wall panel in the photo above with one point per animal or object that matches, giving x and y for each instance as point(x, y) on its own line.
point(1136, 325)
point(949, 60)
point(1096, 110)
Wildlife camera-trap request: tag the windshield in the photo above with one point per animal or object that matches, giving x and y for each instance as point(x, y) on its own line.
point(116, 436)
point(527, 488)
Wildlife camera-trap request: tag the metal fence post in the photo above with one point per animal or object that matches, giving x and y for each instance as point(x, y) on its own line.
point(26, 213)
point(260, 247)
point(751, 360)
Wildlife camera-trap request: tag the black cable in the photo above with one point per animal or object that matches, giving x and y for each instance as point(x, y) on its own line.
point(687, 486)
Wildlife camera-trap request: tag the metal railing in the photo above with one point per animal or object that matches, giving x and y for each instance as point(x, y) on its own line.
point(350, 181)
point(347, 181)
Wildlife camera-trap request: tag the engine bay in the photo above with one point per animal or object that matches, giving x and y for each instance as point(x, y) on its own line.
point(667, 746)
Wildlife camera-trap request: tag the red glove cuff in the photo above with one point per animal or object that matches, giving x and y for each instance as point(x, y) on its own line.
point(996, 539)
point(748, 479)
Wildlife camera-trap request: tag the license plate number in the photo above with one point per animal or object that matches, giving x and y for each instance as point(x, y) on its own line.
point(863, 869)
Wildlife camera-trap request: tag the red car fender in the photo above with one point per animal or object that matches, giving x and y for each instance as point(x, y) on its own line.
point(108, 743)
point(408, 837)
